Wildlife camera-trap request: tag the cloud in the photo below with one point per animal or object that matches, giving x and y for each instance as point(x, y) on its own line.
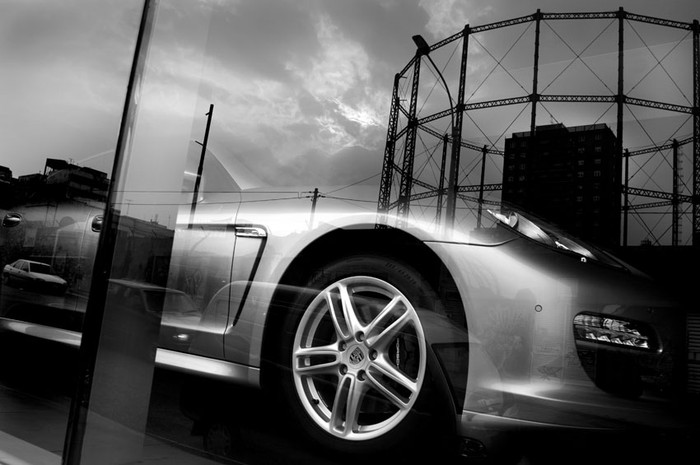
point(446, 17)
point(339, 79)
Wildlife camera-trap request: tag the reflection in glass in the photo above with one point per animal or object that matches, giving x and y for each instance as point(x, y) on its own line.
point(66, 67)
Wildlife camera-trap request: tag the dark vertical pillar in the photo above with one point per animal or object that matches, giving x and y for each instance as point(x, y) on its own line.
point(441, 185)
point(535, 96)
point(626, 206)
point(410, 148)
point(388, 165)
point(453, 180)
point(95, 312)
point(620, 106)
point(696, 134)
point(481, 185)
point(674, 198)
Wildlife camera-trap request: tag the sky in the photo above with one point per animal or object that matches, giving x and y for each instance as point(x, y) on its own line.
point(303, 88)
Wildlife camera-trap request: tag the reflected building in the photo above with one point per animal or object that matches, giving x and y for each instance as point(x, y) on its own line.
point(58, 207)
point(5, 187)
point(62, 180)
point(570, 176)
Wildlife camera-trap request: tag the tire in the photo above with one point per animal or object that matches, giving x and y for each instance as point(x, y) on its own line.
point(355, 356)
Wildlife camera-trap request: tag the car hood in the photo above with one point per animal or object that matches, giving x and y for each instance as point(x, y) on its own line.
point(49, 278)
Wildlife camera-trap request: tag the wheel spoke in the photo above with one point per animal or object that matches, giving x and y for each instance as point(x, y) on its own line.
point(346, 406)
point(349, 312)
point(341, 328)
point(383, 338)
point(344, 316)
point(394, 374)
point(306, 360)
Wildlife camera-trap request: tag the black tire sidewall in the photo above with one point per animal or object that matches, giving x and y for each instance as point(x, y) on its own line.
point(410, 283)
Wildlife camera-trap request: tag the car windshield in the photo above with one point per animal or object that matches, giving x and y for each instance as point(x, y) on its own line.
point(40, 268)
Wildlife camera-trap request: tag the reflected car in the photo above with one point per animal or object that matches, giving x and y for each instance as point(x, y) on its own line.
point(377, 333)
point(33, 275)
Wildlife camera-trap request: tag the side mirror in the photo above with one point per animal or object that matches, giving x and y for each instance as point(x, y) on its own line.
point(11, 220)
point(97, 223)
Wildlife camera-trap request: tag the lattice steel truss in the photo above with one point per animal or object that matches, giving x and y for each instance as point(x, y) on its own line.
point(407, 125)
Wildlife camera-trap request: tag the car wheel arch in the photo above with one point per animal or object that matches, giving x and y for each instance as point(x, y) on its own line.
point(391, 244)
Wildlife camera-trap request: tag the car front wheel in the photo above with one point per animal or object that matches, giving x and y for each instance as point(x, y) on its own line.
point(356, 355)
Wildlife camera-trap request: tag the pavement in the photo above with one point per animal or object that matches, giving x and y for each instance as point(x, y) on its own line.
point(35, 396)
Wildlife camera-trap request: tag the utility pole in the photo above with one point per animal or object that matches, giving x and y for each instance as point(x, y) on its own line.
point(200, 168)
point(314, 198)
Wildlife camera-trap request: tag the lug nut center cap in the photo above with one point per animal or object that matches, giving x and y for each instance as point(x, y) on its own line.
point(356, 356)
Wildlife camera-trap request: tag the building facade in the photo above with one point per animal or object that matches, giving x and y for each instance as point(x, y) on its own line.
point(569, 176)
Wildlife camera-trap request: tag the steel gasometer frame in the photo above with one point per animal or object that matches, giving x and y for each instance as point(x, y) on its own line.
point(408, 133)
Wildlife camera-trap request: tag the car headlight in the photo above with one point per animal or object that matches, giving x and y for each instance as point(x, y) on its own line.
point(603, 329)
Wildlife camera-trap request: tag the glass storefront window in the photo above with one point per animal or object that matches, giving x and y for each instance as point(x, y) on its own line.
point(199, 273)
point(62, 92)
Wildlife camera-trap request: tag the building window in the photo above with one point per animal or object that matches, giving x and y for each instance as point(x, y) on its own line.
point(598, 148)
point(597, 161)
point(579, 198)
point(581, 149)
point(579, 174)
point(580, 162)
point(596, 173)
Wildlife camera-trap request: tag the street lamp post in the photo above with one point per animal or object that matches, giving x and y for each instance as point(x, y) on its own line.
point(424, 50)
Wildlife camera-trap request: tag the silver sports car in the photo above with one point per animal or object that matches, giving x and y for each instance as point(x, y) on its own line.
point(366, 327)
